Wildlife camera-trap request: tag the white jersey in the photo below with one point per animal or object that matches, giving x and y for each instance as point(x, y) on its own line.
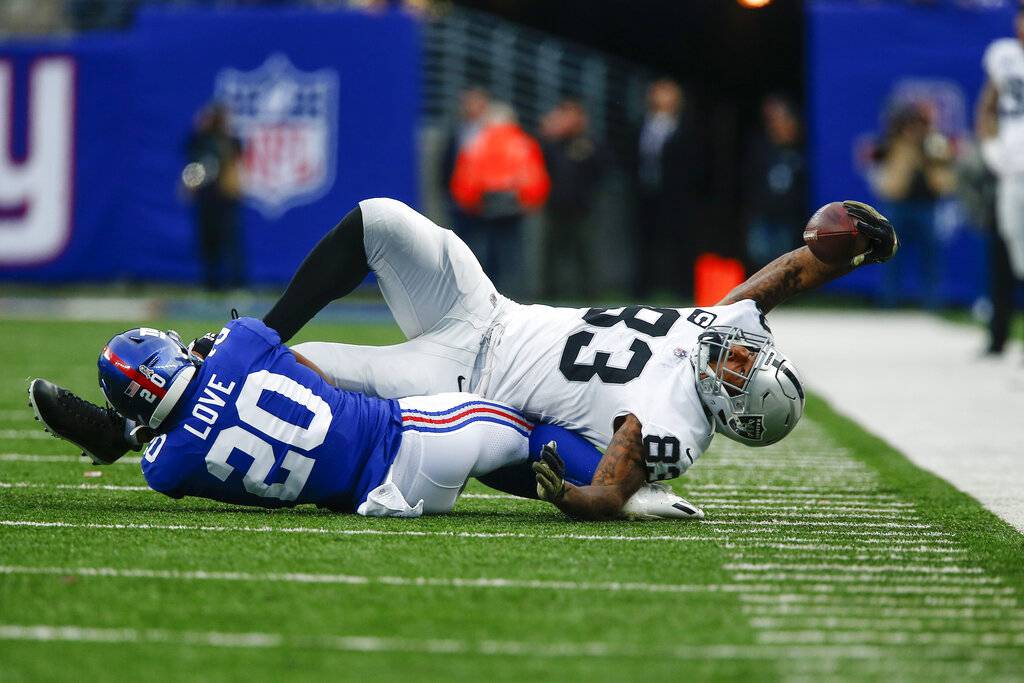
point(583, 368)
point(1004, 64)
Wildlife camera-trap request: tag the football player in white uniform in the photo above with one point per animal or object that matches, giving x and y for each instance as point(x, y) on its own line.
point(650, 384)
point(1000, 129)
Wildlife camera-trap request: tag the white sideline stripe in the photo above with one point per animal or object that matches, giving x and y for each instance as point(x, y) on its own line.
point(257, 640)
point(354, 580)
point(853, 568)
point(898, 555)
point(36, 457)
point(807, 498)
point(24, 434)
point(345, 532)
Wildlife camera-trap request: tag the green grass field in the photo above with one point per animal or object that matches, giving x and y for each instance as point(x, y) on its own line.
point(826, 557)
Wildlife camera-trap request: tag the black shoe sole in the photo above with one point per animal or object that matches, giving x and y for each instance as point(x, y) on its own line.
point(53, 432)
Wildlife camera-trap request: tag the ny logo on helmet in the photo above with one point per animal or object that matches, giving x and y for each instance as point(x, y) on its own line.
point(287, 122)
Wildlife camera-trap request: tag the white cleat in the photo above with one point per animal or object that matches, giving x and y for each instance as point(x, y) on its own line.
point(658, 501)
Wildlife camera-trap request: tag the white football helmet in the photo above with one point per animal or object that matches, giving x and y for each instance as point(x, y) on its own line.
point(756, 407)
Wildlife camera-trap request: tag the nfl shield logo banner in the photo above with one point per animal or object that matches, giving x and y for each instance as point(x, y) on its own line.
point(287, 121)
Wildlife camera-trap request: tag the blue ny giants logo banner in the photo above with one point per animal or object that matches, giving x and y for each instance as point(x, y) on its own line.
point(37, 175)
point(287, 121)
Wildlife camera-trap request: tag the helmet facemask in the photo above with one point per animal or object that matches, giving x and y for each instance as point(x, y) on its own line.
point(756, 404)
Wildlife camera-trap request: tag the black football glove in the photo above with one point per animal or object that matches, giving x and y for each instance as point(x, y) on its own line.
point(200, 346)
point(550, 471)
point(876, 228)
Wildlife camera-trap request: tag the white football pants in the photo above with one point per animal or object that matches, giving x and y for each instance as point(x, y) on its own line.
point(440, 298)
point(1010, 219)
point(445, 440)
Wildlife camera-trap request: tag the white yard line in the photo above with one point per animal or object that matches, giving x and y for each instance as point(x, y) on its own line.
point(841, 579)
point(852, 568)
point(86, 487)
point(355, 580)
point(946, 410)
point(349, 532)
point(24, 434)
point(883, 623)
point(838, 602)
point(968, 614)
point(506, 648)
point(66, 459)
point(890, 638)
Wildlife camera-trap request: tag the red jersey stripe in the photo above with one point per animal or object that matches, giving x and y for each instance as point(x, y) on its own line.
point(464, 413)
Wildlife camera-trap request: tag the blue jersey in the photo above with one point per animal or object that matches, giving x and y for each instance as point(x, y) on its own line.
point(255, 427)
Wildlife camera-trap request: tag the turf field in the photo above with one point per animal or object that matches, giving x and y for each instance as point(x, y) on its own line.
point(826, 557)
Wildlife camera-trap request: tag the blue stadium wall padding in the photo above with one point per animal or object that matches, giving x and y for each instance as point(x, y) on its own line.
point(861, 58)
point(351, 79)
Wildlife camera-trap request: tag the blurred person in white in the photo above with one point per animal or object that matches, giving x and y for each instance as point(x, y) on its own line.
point(914, 169)
point(776, 192)
point(576, 162)
point(1000, 130)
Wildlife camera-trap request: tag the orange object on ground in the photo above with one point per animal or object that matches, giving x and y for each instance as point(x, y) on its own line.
point(714, 277)
point(502, 159)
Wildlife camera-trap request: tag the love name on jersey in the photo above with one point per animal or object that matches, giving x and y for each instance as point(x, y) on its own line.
point(204, 408)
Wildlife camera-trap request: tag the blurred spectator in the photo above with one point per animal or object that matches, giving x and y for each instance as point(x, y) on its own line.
point(213, 180)
point(576, 163)
point(976, 188)
point(474, 105)
point(914, 169)
point(499, 176)
point(776, 182)
point(665, 170)
point(1000, 130)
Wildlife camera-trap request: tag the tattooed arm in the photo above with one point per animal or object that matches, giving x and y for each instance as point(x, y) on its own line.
point(800, 270)
point(619, 475)
point(786, 276)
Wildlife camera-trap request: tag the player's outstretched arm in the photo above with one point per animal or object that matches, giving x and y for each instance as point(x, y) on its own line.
point(618, 476)
point(800, 270)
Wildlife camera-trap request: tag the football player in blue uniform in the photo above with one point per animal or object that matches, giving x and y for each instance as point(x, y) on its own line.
point(238, 417)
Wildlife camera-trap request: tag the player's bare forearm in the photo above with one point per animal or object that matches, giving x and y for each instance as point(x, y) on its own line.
point(618, 476)
point(785, 277)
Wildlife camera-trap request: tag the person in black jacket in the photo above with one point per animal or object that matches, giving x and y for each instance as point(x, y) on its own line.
point(664, 173)
point(776, 192)
point(576, 163)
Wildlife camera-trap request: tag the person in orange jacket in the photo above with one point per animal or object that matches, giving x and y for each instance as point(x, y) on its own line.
point(499, 178)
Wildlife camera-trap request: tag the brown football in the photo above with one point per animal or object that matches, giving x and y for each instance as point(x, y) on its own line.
point(832, 235)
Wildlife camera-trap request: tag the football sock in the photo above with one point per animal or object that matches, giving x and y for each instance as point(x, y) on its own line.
point(335, 266)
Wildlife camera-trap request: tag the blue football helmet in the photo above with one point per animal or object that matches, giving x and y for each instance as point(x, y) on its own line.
point(144, 372)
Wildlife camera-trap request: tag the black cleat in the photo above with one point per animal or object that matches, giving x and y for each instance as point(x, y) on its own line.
point(99, 432)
